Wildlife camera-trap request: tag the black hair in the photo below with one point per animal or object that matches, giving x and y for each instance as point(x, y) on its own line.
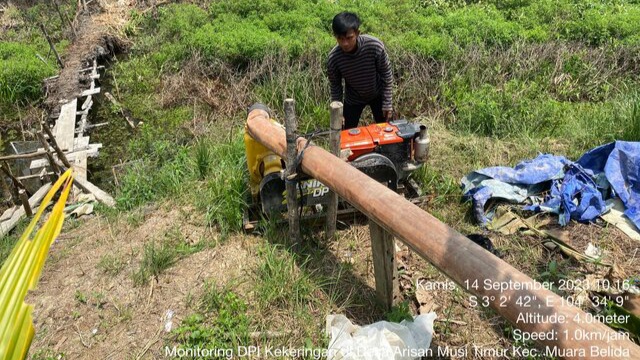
point(344, 22)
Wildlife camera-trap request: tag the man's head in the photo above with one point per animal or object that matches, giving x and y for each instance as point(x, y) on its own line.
point(346, 27)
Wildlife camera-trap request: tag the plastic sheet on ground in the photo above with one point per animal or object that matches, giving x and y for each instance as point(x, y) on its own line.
point(616, 218)
point(573, 190)
point(379, 341)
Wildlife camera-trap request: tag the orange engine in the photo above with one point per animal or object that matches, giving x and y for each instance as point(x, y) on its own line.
point(365, 139)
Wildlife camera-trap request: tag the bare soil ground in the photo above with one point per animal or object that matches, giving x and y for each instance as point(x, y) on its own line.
point(83, 312)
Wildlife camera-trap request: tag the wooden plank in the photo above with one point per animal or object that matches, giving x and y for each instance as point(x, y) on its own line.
point(8, 213)
point(90, 92)
point(39, 175)
point(38, 153)
point(90, 151)
point(100, 195)
point(384, 264)
point(87, 103)
point(93, 126)
point(90, 68)
point(64, 130)
point(83, 123)
point(80, 143)
point(80, 167)
point(18, 212)
point(79, 71)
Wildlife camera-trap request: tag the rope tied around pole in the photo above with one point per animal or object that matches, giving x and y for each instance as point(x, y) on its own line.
point(295, 178)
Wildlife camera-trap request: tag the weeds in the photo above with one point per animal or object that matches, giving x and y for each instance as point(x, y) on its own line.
point(553, 273)
point(223, 324)
point(399, 312)
point(156, 259)
point(203, 159)
point(280, 282)
point(80, 297)
point(111, 264)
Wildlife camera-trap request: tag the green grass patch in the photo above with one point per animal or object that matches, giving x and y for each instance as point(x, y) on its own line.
point(221, 194)
point(21, 73)
point(223, 322)
point(280, 281)
point(111, 264)
point(156, 259)
point(159, 255)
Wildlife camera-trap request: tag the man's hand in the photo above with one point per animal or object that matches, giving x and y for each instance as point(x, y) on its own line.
point(386, 114)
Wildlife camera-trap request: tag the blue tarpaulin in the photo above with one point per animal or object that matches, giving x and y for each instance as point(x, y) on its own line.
point(574, 190)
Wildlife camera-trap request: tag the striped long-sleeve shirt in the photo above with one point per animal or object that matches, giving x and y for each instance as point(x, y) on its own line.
point(367, 73)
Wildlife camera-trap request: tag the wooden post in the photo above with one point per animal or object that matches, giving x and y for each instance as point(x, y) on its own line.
point(16, 183)
point(334, 138)
point(24, 199)
point(291, 127)
point(54, 144)
point(65, 17)
point(384, 264)
point(47, 149)
point(53, 48)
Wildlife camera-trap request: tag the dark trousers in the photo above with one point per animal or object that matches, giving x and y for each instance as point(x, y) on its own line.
point(352, 113)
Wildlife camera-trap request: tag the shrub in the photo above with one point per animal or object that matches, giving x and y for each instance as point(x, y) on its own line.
point(514, 110)
point(235, 40)
point(436, 46)
point(478, 24)
point(21, 73)
point(176, 21)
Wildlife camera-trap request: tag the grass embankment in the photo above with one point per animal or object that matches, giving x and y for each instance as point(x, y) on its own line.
point(25, 60)
point(496, 81)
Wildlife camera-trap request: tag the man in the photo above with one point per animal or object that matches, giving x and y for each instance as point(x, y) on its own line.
point(361, 60)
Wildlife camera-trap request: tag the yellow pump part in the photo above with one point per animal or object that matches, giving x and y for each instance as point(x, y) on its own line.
point(260, 161)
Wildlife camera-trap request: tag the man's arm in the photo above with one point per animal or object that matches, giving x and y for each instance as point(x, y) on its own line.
point(384, 69)
point(335, 81)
